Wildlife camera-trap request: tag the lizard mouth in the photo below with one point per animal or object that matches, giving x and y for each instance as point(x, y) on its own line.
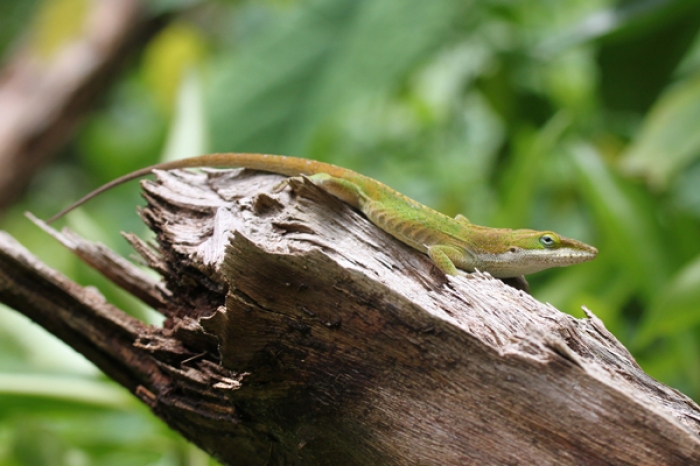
point(525, 262)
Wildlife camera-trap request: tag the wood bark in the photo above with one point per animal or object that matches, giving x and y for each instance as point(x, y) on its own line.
point(299, 333)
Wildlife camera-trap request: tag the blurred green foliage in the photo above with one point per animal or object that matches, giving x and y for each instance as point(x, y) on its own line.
point(573, 115)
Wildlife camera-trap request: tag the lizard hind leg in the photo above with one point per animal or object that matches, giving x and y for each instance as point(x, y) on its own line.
point(345, 190)
point(462, 219)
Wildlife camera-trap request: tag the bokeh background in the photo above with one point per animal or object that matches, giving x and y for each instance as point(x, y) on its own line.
point(580, 116)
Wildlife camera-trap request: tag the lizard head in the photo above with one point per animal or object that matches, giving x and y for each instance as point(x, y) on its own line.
point(522, 252)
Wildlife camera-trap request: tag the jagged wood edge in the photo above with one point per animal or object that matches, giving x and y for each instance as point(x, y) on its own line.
point(522, 329)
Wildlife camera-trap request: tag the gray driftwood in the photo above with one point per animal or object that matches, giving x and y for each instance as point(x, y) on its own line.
point(299, 333)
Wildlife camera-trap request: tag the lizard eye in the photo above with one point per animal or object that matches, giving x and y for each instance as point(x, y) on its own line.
point(547, 240)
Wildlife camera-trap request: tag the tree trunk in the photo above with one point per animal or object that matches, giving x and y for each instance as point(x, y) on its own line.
point(299, 333)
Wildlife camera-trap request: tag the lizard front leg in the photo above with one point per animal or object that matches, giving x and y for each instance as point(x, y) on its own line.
point(445, 257)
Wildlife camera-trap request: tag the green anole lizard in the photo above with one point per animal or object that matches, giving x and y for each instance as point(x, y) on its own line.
point(453, 244)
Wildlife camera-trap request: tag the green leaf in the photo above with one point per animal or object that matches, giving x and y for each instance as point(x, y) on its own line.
point(56, 24)
point(625, 217)
point(280, 91)
point(168, 58)
point(522, 177)
point(188, 134)
point(619, 20)
point(669, 139)
point(81, 390)
point(676, 308)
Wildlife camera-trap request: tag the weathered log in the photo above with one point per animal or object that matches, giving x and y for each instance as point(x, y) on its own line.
point(299, 333)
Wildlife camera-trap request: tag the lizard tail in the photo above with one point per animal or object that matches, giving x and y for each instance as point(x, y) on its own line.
point(290, 166)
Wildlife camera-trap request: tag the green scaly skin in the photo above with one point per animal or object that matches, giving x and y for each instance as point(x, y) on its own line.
point(454, 244)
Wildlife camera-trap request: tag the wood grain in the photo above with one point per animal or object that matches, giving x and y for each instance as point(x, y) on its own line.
point(299, 333)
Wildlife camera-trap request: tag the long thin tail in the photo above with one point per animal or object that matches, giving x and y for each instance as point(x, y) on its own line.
point(290, 166)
